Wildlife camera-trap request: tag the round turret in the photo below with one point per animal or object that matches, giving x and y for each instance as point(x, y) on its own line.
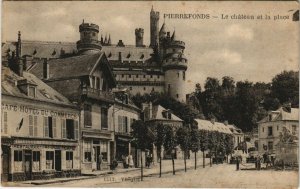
point(88, 38)
point(174, 57)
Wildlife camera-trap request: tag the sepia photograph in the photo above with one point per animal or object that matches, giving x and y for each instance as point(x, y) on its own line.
point(150, 94)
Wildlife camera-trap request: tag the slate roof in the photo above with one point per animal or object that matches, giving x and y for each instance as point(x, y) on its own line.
point(209, 126)
point(282, 115)
point(50, 49)
point(43, 91)
point(157, 114)
point(68, 67)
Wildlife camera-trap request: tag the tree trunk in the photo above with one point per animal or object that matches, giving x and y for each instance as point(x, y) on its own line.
point(203, 159)
point(184, 157)
point(160, 164)
point(195, 160)
point(210, 160)
point(173, 164)
point(141, 165)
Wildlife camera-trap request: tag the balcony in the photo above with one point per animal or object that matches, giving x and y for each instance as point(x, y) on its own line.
point(98, 94)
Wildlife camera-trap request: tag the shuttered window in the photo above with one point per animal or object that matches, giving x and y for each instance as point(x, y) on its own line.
point(87, 115)
point(5, 122)
point(76, 126)
point(35, 126)
point(30, 125)
point(54, 127)
point(63, 129)
point(46, 128)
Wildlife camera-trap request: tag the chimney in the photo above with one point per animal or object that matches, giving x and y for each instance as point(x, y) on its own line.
point(212, 120)
point(45, 69)
point(18, 56)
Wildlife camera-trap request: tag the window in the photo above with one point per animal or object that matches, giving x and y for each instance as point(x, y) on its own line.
point(122, 75)
point(151, 76)
point(93, 81)
point(129, 75)
point(158, 76)
point(94, 34)
point(49, 126)
point(30, 125)
point(183, 76)
point(31, 91)
point(63, 129)
point(70, 129)
point(49, 160)
point(69, 159)
point(137, 76)
point(270, 131)
point(152, 88)
point(4, 129)
point(123, 124)
point(18, 157)
point(270, 117)
point(97, 83)
point(36, 160)
point(35, 126)
point(277, 127)
point(87, 115)
point(177, 95)
point(270, 145)
point(87, 151)
point(144, 88)
point(263, 130)
point(169, 115)
point(104, 119)
point(144, 76)
point(178, 74)
point(294, 129)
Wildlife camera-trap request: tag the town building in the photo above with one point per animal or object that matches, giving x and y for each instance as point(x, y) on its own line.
point(239, 136)
point(124, 114)
point(87, 80)
point(272, 127)
point(39, 126)
point(159, 67)
point(156, 114)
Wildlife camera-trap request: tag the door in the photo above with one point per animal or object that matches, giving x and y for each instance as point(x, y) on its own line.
point(5, 163)
point(57, 160)
point(97, 157)
point(28, 164)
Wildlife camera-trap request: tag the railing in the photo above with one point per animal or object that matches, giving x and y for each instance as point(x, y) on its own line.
point(98, 94)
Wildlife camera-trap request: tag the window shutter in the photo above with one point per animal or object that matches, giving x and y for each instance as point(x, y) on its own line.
point(35, 126)
point(54, 127)
point(30, 125)
point(63, 128)
point(120, 120)
point(46, 128)
point(76, 126)
point(5, 122)
point(126, 124)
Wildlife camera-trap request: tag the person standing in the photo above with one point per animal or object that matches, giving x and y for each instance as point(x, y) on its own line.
point(126, 161)
point(130, 161)
point(100, 160)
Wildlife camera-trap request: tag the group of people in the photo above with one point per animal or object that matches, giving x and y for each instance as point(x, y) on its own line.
point(266, 159)
point(127, 161)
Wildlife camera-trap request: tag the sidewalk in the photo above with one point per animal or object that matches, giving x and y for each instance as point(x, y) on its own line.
point(120, 174)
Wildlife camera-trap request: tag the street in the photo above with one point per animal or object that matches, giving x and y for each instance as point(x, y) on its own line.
point(222, 175)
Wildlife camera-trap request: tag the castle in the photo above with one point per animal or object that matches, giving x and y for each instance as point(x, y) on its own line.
point(159, 67)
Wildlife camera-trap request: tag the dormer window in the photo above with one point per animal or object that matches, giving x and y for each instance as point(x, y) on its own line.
point(32, 91)
point(27, 88)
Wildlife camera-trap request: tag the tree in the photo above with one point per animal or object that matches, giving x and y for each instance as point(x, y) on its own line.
point(195, 143)
point(211, 144)
point(159, 142)
point(142, 137)
point(285, 87)
point(229, 145)
point(203, 139)
point(184, 139)
point(170, 142)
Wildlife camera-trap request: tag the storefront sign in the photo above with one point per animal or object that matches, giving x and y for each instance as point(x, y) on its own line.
point(35, 111)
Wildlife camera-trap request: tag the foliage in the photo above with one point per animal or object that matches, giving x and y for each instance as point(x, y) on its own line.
point(183, 138)
point(143, 136)
point(194, 140)
point(170, 140)
point(229, 144)
point(160, 136)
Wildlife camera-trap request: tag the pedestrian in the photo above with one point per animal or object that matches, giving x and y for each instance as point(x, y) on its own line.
point(237, 163)
point(100, 160)
point(126, 162)
point(130, 161)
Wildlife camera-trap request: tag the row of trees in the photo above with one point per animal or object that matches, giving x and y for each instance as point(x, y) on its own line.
point(188, 138)
point(244, 103)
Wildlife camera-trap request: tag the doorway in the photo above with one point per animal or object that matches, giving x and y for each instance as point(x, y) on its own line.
point(5, 163)
point(28, 164)
point(58, 160)
point(97, 153)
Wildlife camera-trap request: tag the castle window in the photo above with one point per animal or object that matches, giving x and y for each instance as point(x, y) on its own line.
point(129, 75)
point(94, 34)
point(144, 88)
point(178, 74)
point(183, 76)
point(151, 76)
point(144, 76)
point(137, 76)
point(31, 91)
point(122, 75)
point(153, 89)
point(158, 76)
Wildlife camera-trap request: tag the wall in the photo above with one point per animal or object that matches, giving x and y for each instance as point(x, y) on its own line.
point(177, 84)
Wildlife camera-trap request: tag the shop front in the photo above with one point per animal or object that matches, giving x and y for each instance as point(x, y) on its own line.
point(33, 159)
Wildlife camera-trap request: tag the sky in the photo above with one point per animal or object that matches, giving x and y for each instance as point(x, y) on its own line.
point(253, 50)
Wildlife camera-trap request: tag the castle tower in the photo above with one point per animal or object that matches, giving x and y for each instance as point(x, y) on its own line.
point(174, 65)
point(88, 38)
point(154, 22)
point(139, 37)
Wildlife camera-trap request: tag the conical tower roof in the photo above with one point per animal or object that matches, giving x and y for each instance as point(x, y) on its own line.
point(173, 38)
point(163, 29)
